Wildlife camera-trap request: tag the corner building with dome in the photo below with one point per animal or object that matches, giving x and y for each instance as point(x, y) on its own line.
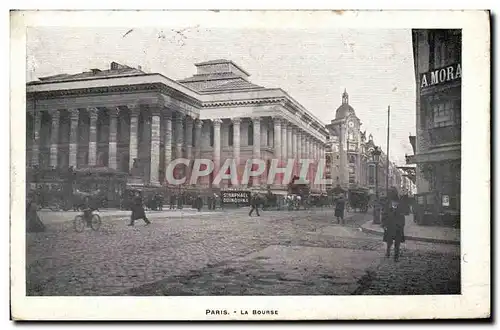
point(348, 152)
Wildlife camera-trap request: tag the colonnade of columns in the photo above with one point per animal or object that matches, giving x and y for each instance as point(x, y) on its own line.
point(146, 125)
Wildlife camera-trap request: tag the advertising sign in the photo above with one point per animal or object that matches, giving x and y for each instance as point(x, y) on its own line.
point(239, 197)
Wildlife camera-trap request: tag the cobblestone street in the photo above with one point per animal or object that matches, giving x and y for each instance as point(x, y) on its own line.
point(229, 253)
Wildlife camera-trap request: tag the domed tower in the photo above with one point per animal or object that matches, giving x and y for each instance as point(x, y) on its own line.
point(346, 126)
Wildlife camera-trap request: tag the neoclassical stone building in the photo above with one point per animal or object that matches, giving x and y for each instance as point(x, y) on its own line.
point(137, 122)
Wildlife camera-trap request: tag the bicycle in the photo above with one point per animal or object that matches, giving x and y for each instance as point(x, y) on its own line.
point(87, 219)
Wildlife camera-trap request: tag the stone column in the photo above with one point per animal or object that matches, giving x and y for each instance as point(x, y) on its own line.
point(179, 134)
point(236, 140)
point(300, 149)
point(289, 148)
point(294, 148)
point(134, 131)
point(73, 136)
point(316, 158)
point(189, 137)
point(113, 117)
point(304, 145)
point(277, 137)
point(256, 145)
point(36, 138)
point(323, 158)
point(284, 154)
point(54, 137)
point(154, 174)
point(217, 145)
point(167, 120)
point(307, 154)
point(299, 144)
point(197, 137)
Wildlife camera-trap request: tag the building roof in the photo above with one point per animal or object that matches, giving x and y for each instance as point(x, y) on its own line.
point(210, 76)
point(116, 69)
point(343, 111)
point(222, 61)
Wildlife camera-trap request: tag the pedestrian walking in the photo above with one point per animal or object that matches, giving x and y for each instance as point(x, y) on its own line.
point(393, 222)
point(199, 203)
point(255, 200)
point(172, 202)
point(138, 210)
point(339, 209)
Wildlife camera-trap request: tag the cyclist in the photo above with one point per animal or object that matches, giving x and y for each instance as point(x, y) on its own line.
point(88, 208)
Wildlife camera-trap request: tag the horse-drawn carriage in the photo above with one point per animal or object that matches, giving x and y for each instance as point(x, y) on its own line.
point(359, 199)
point(298, 195)
point(65, 189)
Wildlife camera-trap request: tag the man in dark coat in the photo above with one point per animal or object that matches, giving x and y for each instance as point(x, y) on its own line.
point(199, 202)
point(172, 201)
point(339, 209)
point(393, 222)
point(33, 222)
point(254, 202)
point(138, 211)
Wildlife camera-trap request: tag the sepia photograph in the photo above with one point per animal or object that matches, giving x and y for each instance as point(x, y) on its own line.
point(224, 155)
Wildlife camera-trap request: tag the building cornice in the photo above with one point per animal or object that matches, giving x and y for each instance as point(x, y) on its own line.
point(175, 91)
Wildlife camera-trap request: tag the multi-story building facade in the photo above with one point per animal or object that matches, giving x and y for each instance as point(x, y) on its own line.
point(351, 162)
point(437, 56)
point(131, 121)
point(347, 146)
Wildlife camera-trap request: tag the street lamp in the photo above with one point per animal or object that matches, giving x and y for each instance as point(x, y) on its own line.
point(376, 208)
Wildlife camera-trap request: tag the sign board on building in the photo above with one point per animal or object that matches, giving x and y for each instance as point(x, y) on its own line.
point(239, 197)
point(440, 76)
point(446, 200)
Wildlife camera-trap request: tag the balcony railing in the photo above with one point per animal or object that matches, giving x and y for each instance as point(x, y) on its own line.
point(445, 135)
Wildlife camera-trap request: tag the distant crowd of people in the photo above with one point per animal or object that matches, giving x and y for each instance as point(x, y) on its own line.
point(393, 209)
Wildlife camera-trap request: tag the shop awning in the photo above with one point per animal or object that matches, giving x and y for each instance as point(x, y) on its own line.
point(435, 155)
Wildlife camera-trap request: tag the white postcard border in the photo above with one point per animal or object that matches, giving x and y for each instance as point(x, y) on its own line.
point(475, 225)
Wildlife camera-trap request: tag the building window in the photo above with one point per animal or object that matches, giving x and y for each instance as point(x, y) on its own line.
point(230, 137)
point(250, 134)
point(445, 113)
point(445, 47)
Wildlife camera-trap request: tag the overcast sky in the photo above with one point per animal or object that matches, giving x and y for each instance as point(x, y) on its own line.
point(313, 66)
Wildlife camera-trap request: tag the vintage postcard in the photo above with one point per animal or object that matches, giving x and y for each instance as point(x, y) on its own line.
point(250, 165)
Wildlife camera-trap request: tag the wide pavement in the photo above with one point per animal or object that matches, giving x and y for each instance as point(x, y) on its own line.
point(230, 253)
